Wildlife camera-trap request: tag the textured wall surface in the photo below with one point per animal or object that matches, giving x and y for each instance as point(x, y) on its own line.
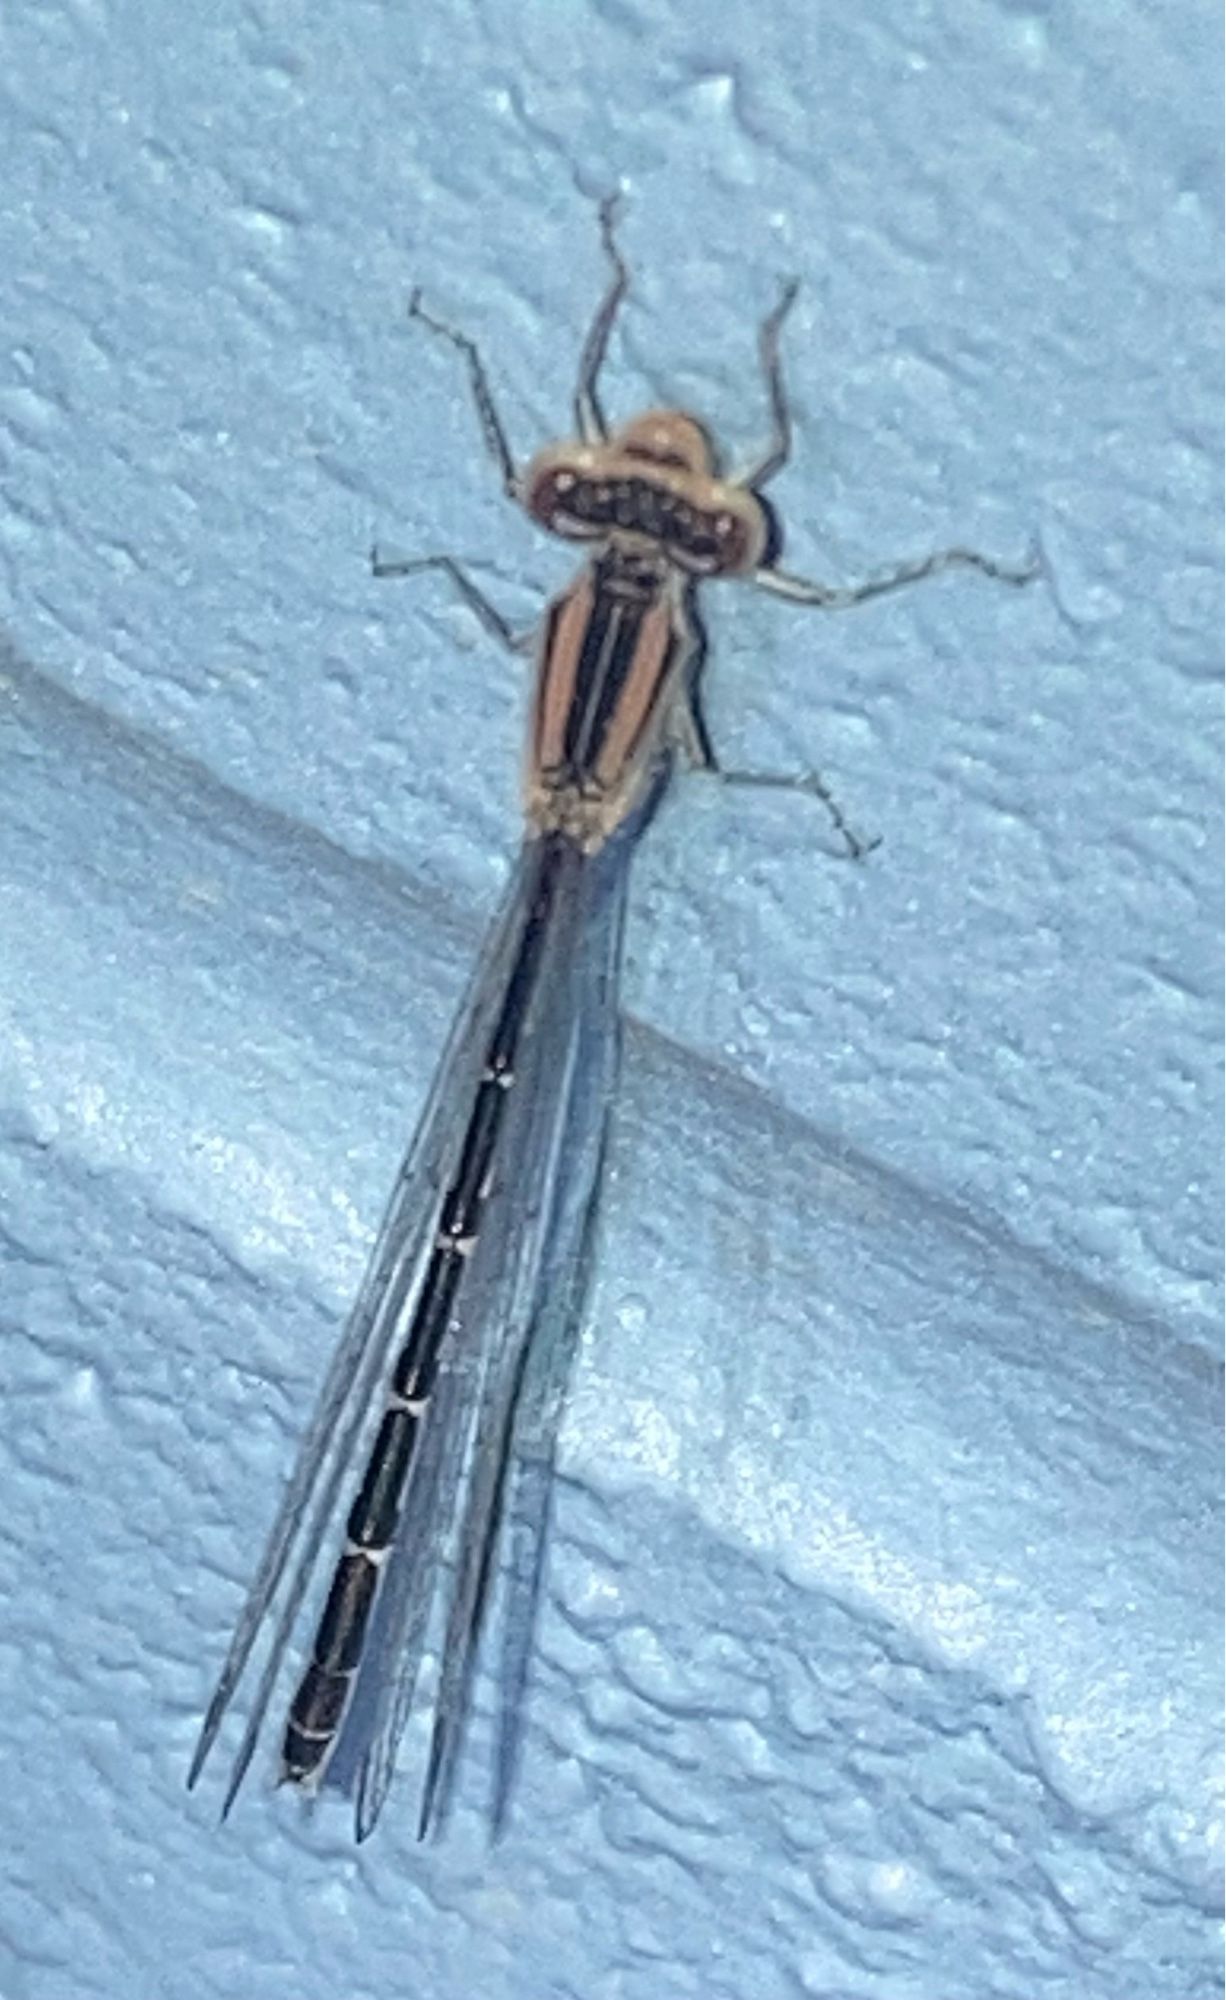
point(879, 1659)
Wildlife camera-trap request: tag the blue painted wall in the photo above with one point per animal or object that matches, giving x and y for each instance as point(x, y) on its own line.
point(879, 1660)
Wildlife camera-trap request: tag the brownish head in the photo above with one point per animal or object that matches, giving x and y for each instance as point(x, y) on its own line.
point(653, 482)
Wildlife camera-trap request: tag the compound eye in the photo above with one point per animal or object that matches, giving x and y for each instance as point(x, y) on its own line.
point(740, 538)
point(714, 547)
point(559, 499)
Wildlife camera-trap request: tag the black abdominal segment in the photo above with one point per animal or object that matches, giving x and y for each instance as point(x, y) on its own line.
point(318, 1707)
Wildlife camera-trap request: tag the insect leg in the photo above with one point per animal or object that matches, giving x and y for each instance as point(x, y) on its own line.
point(493, 430)
point(689, 733)
point(589, 414)
point(833, 597)
point(475, 598)
point(780, 444)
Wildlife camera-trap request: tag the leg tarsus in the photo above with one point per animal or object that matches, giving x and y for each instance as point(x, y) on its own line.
point(475, 598)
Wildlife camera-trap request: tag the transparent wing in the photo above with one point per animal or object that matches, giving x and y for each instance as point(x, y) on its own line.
point(550, 1353)
point(350, 1395)
point(545, 1173)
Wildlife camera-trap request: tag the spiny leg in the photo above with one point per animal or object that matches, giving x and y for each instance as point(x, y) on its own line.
point(478, 603)
point(493, 429)
point(831, 597)
point(780, 445)
point(589, 414)
point(689, 733)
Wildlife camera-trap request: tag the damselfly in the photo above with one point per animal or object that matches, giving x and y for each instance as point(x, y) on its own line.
point(450, 1372)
